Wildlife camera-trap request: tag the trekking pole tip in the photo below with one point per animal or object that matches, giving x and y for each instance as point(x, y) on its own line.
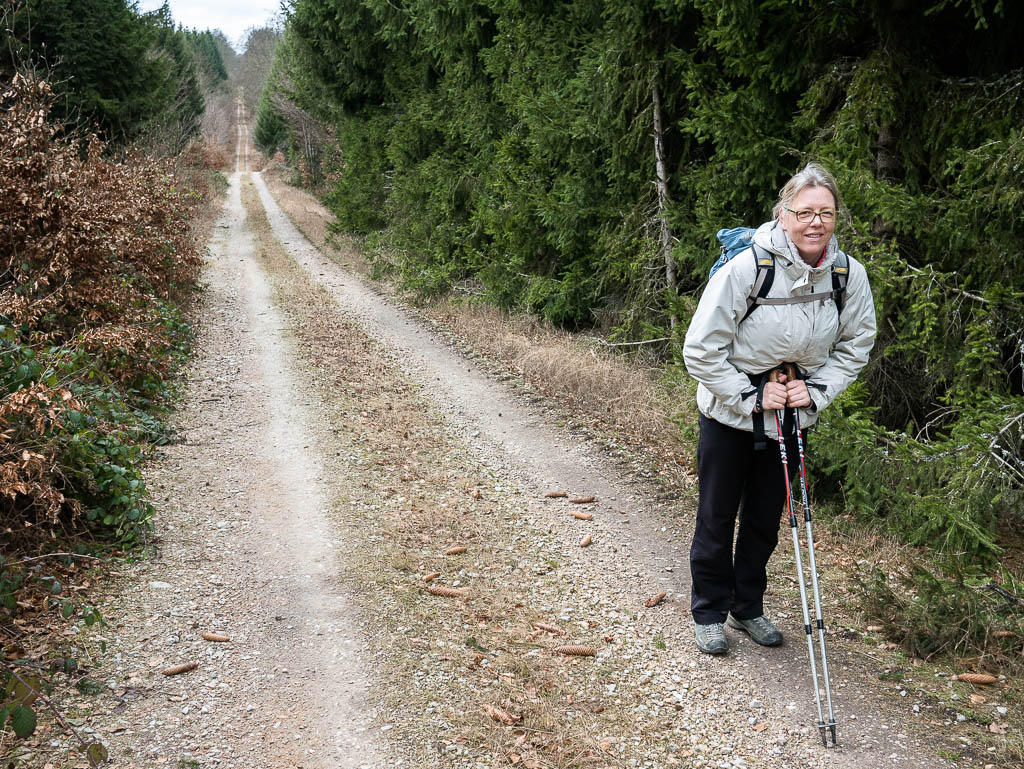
point(824, 738)
point(832, 729)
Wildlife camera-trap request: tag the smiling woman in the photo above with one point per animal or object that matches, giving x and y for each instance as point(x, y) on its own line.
point(807, 211)
point(805, 322)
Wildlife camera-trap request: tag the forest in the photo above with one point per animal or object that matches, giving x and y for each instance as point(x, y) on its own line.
point(575, 160)
point(567, 160)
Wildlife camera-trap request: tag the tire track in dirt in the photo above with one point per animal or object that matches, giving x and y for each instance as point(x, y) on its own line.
point(246, 550)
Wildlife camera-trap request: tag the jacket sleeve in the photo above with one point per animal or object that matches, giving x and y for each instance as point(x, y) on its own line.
point(856, 338)
point(709, 338)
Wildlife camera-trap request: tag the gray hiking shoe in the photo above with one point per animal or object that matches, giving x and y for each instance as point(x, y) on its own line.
point(760, 629)
point(711, 638)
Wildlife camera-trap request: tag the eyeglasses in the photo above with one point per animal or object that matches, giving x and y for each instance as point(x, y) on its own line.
point(806, 216)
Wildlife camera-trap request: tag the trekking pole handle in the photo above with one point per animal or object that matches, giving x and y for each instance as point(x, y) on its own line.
point(786, 368)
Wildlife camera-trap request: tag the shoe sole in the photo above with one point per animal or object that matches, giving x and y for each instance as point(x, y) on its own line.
point(715, 652)
point(735, 625)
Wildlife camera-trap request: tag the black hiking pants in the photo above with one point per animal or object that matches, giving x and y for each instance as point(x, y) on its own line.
point(734, 478)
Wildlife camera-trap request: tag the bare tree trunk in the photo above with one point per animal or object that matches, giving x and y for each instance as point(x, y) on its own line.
point(663, 199)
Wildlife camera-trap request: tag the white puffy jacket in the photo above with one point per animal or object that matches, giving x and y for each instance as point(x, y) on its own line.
point(719, 351)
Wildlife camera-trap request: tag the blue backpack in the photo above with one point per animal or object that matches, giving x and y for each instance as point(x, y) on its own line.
point(739, 239)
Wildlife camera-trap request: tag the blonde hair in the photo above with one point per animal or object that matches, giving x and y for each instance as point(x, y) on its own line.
point(811, 175)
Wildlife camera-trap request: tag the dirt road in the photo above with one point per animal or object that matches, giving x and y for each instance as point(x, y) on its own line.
point(333, 453)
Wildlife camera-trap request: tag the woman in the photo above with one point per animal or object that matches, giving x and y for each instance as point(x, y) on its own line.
point(727, 349)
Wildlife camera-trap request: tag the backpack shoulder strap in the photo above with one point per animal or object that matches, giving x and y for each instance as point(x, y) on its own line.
point(840, 274)
point(765, 261)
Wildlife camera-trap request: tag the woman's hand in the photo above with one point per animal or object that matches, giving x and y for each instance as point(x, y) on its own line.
point(797, 395)
point(774, 396)
point(782, 394)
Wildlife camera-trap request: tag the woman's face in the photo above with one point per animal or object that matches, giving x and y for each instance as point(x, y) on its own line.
point(809, 237)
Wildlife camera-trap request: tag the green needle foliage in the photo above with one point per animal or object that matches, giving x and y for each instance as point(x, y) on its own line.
point(113, 68)
point(505, 148)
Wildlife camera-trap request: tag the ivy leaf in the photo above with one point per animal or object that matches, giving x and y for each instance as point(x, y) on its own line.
point(97, 754)
point(23, 693)
point(23, 721)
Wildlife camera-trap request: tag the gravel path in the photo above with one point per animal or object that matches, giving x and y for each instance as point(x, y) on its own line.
point(333, 452)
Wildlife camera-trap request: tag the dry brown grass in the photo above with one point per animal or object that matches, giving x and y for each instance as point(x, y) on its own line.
point(623, 393)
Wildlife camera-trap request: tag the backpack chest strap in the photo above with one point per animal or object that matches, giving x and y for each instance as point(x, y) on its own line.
point(822, 295)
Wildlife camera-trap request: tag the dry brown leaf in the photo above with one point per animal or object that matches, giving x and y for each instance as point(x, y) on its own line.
point(654, 600)
point(583, 516)
point(576, 650)
point(455, 550)
point(555, 494)
point(548, 628)
point(585, 542)
point(977, 699)
point(499, 715)
point(977, 678)
point(998, 728)
point(179, 669)
point(216, 637)
point(432, 575)
point(582, 500)
point(446, 592)
point(760, 727)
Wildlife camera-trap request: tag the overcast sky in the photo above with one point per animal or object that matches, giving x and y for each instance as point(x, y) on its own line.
point(232, 17)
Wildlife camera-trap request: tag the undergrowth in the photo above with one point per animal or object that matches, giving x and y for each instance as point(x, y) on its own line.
point(971, 618)
point(99, 254)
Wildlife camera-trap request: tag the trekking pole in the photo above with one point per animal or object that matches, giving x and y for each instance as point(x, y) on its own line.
point(790, 372)
point(799, 567)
